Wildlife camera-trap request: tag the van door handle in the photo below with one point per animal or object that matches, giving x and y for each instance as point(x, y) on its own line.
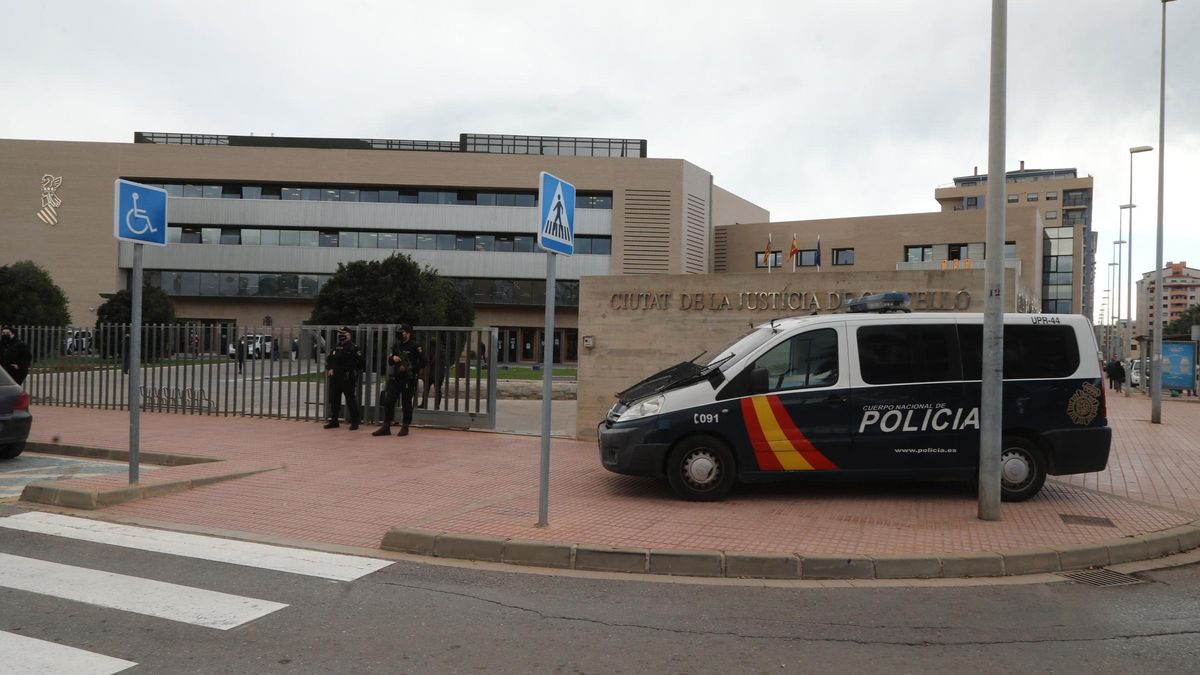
point(836, 399)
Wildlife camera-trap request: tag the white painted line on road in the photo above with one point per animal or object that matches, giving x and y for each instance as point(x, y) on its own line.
point(335, 566)
point(132, 594)
point(20, 654)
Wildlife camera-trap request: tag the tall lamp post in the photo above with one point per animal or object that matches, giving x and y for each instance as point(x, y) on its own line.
point(1157, 326)
point(1117, 304)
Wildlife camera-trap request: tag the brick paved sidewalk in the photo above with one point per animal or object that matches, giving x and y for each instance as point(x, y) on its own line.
point(348, 488)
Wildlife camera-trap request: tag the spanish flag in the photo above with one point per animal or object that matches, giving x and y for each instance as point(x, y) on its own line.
point(767, 254)
point(794, 252)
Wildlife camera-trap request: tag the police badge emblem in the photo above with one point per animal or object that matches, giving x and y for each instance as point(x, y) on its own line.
point(1084, 404)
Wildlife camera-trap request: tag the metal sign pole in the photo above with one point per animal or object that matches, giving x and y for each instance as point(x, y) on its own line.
point(547, 394)
point(135, 361)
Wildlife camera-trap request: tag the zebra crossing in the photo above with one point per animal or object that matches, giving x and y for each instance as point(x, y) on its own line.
point(206, 608)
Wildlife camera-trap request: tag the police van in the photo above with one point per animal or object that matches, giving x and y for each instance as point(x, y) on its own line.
point(864, 395)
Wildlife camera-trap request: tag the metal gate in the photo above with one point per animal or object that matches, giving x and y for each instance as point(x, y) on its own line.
point(225, 369)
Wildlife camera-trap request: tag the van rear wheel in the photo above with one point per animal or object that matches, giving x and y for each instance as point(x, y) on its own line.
point(1022, 469)
point(701, 469)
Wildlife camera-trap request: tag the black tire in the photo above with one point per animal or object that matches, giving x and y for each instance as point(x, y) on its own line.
point(701, 469)
point(1022, 469)
point(11, 450)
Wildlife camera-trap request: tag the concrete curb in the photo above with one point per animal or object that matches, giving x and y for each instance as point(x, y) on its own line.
point(98, 498)
point(752, 565)
point(157, 458)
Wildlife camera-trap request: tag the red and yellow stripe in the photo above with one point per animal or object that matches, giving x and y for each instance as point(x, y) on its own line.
point(778, 444)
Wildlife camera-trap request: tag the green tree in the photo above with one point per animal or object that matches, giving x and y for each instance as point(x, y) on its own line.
point(395, 290)
point(156, 307)
point(28, 296)
point(1183, 324)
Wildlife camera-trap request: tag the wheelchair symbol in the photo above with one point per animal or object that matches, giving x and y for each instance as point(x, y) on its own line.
point(136, 214)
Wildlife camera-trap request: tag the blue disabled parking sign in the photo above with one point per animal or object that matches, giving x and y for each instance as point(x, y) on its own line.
point(140, 214)
point(556, 231)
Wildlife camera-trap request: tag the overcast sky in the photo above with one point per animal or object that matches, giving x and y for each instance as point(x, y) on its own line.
point(811, 110)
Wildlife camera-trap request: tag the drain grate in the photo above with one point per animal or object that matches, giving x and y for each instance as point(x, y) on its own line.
point(1102, 578)
point(1072, 519)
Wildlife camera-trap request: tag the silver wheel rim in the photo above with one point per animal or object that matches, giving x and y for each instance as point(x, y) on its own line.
point(701, 469)
point(1015, 469)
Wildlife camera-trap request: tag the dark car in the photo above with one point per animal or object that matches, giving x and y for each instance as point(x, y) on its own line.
point(15, 419)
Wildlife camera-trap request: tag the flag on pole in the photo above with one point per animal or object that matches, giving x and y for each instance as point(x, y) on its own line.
point(818, 253)
point(794, 252)
point(767, 254)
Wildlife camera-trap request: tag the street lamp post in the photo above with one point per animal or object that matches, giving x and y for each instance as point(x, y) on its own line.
point(1117, 304)
point(1156, 349)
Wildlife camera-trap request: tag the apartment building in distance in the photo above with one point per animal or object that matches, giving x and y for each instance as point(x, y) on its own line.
point(1181, 290)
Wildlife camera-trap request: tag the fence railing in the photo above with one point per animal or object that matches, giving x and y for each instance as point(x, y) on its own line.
point(277, 372)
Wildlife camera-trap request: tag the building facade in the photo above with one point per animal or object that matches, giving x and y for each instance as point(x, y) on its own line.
point(1181, 290)
point(257, 224)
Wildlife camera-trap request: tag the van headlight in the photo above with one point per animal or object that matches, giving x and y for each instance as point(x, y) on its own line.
point(643, 408)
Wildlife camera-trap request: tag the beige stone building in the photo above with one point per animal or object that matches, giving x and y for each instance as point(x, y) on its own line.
point(259, 223)
point(1181, 290)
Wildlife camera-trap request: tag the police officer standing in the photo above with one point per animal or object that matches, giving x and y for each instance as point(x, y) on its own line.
point(343, 366)
point(15, 356)
point(405, 361)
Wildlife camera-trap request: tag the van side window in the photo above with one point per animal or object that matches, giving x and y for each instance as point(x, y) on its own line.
point(899, 353)
point(1030, 352)
point(804, 361)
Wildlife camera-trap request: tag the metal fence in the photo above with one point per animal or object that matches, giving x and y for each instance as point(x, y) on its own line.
point(225, 369)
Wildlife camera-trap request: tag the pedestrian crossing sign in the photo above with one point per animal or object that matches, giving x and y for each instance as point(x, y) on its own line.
point(556, 227)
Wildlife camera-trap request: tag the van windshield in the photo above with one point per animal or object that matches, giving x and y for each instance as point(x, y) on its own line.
point(743, 346)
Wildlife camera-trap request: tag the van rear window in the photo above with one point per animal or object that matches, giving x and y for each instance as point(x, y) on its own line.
point(1030, 352)
point(895, 353)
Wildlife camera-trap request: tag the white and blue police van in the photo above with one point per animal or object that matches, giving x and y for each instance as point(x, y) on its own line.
point(866, 395)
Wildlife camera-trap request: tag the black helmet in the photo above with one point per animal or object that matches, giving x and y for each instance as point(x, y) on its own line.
point(345, 329)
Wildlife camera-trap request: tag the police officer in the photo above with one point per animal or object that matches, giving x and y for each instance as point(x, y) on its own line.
point(405, 362)
point(343, 366)
point(15, 356)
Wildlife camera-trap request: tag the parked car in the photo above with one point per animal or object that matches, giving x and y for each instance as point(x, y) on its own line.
point(258, 346)
point(78, 342)
point(15, 419)
point(1135, 374)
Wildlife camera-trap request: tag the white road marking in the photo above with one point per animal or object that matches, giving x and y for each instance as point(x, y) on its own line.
point(132, 594)
point(20, 654)
point(335, 566)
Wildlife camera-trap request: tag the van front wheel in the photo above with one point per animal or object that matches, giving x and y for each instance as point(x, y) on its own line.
point(701, 469)
point(1022, 469)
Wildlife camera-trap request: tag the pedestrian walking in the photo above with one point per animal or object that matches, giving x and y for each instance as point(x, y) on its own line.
point(406, 359)
point(342, 367)
point(240, 353)
point(435, 375)
point(15, 356)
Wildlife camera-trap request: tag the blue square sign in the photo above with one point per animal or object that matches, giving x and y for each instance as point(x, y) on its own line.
point(556, 228)
point(140, 213)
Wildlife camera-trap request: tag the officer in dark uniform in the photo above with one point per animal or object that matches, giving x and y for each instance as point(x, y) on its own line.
point(405, 362)
point(343, 366)
point(15, 356)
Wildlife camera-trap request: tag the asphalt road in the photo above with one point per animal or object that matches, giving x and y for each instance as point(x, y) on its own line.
point(412, 617)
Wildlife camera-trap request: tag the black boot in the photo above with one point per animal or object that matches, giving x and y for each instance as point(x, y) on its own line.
point(332, 424)
point(403, 431)
point(384, 430)
point(353, 426)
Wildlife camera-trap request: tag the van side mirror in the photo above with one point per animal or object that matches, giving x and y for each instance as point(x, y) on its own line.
point(760, 381)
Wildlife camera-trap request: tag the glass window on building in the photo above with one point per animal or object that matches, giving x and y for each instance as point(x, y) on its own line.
point(331, 195)
point(1031, 197)
point(522, 291)
point(210, 235)
point(349, 195)
point(408, 197)
point(428, 197)
point(290, 193)
point(957, 251)
point(843, 256)
point(464, 197)
point(231, 236)
point(485, 242)
point(1010, 250)
point(387, 240)
point(309, 285)
point(248, 284)
point(368, 240)
point(348, 239)
point(174, 234)
point(169, 282)
point(918, 253)
point(526, 199)
point(464, 242)
point(760, 260)
point(173, 189)
point(1051, 196)
point(271, 192)
point(504, 243)
point(485, 198)
point(406, 240)
point(506, 199)
point(193, 190)
point(189, 235)
point(1013, 199)
point(583, 245)
point(524, 243)
point(602, 246)
point(229, 284)
point(389, 196)
point(252, 192)
point(231, 192)
point(270, 237)
point(289, 237)
point(310, 194)
point(327, 239)
point(807, 257)
point(1052, 215)
point(368, 195)
point(211, 191)
point(309, 238)
point(427, 241)
point(189, 283)
point(446, 242)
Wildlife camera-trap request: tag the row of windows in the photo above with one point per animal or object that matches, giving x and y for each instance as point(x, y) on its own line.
point(308, 286)
point(924, 252)
point(1033, 197)
point(398, 195)
point(905, 354)
point(806, 258)
point(433, 241)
